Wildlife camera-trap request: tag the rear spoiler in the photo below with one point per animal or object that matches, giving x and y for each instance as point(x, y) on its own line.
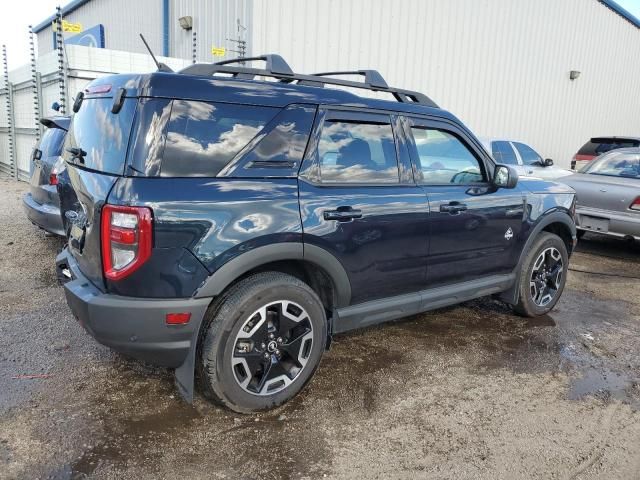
point(615, 139)
point(56, 122)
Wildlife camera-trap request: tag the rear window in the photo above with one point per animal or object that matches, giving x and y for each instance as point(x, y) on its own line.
point(51, 143)
point(203, 137)
point(598, 146)
point(101, 135)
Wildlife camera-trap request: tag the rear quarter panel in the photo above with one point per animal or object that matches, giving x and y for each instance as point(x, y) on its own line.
point(202, 223)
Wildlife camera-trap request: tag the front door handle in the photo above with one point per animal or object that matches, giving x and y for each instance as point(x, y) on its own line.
point(453, 208)
point(342, 214)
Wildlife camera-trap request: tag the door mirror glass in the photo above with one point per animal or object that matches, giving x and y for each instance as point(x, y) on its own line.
point(505, 176)
point(548, 162)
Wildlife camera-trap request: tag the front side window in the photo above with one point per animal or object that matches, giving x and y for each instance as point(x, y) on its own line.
point(503, 153)
point(444, 159)
point(529, 155)
point(357, 152)
point(203, 137)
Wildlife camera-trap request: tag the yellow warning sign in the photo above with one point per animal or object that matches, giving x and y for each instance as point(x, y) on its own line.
point(67, 26)
point(218, 51)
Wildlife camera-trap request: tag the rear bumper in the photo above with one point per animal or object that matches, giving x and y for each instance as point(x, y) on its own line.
point(133, 326)
point(621, 224)
point(45, 216)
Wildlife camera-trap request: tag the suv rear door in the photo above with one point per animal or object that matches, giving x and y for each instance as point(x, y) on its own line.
point(44, 157)
point(359, 202)
point(95, 153)
point(474, 227)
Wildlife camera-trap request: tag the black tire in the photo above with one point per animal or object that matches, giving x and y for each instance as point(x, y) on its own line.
point(527, 292)
point(239, 308)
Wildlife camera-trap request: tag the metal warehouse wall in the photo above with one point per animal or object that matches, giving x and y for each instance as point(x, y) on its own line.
point(213, 21)
point(123, 21)
point(502, 66)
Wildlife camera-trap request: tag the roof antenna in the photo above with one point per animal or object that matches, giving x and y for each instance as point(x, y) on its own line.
point(161, 66)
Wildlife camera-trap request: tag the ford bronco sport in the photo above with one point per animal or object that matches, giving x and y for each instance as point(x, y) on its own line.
point(227, 220)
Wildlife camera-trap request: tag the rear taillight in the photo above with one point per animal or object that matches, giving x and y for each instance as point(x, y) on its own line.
point(56, 170)
point(126, 239)
point(635, 205)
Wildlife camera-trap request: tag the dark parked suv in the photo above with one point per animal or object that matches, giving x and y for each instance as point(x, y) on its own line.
point(228, 226)
point(41, 202)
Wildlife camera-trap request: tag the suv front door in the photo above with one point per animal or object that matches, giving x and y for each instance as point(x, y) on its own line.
point(474, 227)
point(359, 202)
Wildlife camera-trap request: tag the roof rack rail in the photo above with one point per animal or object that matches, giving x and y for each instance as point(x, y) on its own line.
point(277, 67)
point(371, 77)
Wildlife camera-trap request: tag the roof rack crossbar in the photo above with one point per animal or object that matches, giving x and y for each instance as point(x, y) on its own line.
point(371, 77)
point(319, 80)
point(274, 63)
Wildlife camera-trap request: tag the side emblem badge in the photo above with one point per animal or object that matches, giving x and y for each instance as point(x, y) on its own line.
point(508, 234)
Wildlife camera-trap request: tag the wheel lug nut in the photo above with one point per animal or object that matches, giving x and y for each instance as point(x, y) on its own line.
point(271, 336)
point(263, 346)
point(277, 352)
point(279, 340)
point(266, 355)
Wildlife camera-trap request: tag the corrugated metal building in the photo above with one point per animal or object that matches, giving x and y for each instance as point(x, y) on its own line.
point(500, 65)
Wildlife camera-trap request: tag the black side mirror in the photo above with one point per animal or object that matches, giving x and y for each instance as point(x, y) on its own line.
point(548, 162)
point(505, 176)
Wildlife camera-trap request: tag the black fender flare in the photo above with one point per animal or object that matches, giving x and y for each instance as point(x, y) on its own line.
point(511, 295)
point(217, 282)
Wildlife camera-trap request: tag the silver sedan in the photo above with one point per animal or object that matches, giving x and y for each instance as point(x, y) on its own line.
point(608, 194)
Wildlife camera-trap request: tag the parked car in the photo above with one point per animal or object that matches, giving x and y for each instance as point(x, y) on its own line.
point(230, 226)
point(608, 194)
point(41, 202)
point(599, 145)
point(524, 159)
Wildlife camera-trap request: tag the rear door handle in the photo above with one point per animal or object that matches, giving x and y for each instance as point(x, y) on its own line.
point(342, 214)
point(453, 208)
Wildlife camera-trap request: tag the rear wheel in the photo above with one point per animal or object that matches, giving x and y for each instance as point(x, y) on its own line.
point(543, 276)
point(263, 342)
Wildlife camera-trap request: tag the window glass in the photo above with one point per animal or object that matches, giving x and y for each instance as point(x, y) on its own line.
point(357, 152)
point(503, 153)
point(444, 158)
point(603, 145)
point(616, 165)
point(202, 137)
point(529, 155)
point(51, 143)
point(102, 136)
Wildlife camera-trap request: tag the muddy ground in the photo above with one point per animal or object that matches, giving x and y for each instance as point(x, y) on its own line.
point(465, 392)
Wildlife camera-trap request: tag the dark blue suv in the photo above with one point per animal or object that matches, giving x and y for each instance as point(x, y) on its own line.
point(226, 221)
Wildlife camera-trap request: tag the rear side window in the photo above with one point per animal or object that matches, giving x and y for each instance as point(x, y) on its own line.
point(444, 159)
point(529, 155)
point(357, 152)
point(102, 137)
point(203, 137)
point(502, 152)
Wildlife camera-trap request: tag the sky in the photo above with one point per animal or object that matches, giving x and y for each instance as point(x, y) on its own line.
point(17, 15)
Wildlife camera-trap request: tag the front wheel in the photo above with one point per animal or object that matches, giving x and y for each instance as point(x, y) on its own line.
point(263, 342)
point(543, 276)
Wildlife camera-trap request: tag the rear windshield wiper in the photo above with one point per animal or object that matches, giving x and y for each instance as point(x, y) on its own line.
point(78, 153)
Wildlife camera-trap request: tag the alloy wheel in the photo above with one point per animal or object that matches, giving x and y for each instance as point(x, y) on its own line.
point(272, 347)
point(546, 276)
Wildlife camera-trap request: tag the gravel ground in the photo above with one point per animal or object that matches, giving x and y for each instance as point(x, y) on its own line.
point(465, 392)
